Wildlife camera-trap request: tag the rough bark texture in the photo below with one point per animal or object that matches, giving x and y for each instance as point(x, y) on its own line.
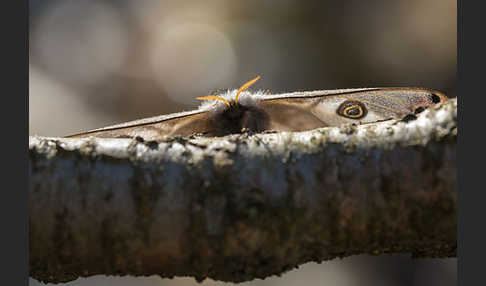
point(245, 206)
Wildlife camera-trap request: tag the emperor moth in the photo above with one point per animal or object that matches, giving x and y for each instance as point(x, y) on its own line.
point(237, 111)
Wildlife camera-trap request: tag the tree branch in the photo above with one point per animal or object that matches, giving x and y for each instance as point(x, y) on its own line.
point(245, 206)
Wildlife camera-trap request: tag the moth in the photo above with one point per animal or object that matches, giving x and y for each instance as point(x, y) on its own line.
point(237, 111)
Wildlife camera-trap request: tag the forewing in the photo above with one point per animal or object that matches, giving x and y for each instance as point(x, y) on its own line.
point(179, 124)
point(304, 111)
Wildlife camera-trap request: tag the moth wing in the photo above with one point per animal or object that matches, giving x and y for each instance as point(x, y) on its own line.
point(375, 104)
point(153, 128)
point(310, 110)
point(296, 111)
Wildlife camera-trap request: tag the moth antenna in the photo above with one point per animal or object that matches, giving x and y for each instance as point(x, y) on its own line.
point(212, 97)
point(245, 87)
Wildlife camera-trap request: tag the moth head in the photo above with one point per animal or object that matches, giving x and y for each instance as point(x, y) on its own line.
point(236, 115)
point(230, 103)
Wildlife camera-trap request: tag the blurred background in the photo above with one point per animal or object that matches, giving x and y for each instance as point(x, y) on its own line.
point(94, 63)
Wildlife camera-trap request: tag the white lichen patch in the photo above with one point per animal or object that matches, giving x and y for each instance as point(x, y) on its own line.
point(111, 147)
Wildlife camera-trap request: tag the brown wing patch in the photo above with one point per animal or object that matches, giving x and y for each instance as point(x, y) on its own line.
point(291, 114)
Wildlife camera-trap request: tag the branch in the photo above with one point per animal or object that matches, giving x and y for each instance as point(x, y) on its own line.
point(241, 207)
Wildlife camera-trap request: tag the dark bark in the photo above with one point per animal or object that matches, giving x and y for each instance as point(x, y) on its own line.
point(245, 206)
